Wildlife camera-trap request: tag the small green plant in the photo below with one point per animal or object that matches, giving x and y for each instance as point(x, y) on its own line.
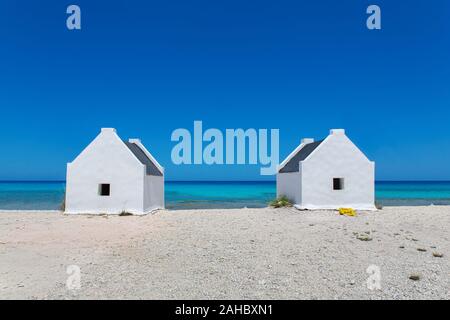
point(280, 202)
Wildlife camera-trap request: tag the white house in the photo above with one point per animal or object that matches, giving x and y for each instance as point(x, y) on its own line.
point(328, 174)
point(113, 176)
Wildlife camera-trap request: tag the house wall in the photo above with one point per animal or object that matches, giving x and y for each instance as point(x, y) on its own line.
point(153, 193)
point(289, 185)
point(106, 160)
point(337, 157)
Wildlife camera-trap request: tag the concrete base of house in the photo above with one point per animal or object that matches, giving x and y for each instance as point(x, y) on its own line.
point(362, 207)
point(115, 213)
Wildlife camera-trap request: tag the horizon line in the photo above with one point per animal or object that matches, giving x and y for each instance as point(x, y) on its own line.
point(223, 181)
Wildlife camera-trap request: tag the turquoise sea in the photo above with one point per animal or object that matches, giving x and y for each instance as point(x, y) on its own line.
point(199, 195)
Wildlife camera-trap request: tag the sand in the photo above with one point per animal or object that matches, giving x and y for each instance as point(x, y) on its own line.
point(227, 254)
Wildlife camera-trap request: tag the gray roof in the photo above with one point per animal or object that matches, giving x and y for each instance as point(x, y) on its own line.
point(152, 170)
point(293, 164)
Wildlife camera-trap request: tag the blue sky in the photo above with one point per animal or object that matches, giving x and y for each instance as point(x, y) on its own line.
point(149, 67)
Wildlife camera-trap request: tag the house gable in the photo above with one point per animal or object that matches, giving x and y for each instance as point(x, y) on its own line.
point(106, 145)
point(335, 146)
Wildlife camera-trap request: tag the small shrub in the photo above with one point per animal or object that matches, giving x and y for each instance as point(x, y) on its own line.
point(378, 205)
point(280, 202)
point(125, 213)
point(62, 206)
point(363, 237)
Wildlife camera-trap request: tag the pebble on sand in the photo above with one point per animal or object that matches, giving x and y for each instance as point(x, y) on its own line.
point(437, 254)
point(363, 237)
point(414, 277)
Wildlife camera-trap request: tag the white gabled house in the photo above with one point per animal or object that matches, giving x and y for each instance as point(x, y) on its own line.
point(112, 176)
point(328, 174)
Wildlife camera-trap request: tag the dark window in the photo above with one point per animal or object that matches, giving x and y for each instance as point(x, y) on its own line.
point(104, 189)
point(338, 183)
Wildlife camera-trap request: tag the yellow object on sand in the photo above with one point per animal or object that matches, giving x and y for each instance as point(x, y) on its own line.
point(347, 211)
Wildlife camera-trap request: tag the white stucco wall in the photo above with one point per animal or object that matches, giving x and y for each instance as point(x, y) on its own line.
point(337, 157)
point(289, 185)
point(106, 160)
point(153, 193)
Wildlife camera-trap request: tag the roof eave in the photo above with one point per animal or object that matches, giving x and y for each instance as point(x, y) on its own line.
point(147, 153)
point(290, 156)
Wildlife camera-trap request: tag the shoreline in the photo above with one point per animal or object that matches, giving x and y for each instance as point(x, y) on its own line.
point(212, 209)
point(227, 254)
point(183, 195)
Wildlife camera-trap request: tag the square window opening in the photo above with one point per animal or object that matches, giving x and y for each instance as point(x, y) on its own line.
point(338, 183)
point(104, 189)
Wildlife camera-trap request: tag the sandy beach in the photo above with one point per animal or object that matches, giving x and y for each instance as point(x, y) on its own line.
point(227, 254)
